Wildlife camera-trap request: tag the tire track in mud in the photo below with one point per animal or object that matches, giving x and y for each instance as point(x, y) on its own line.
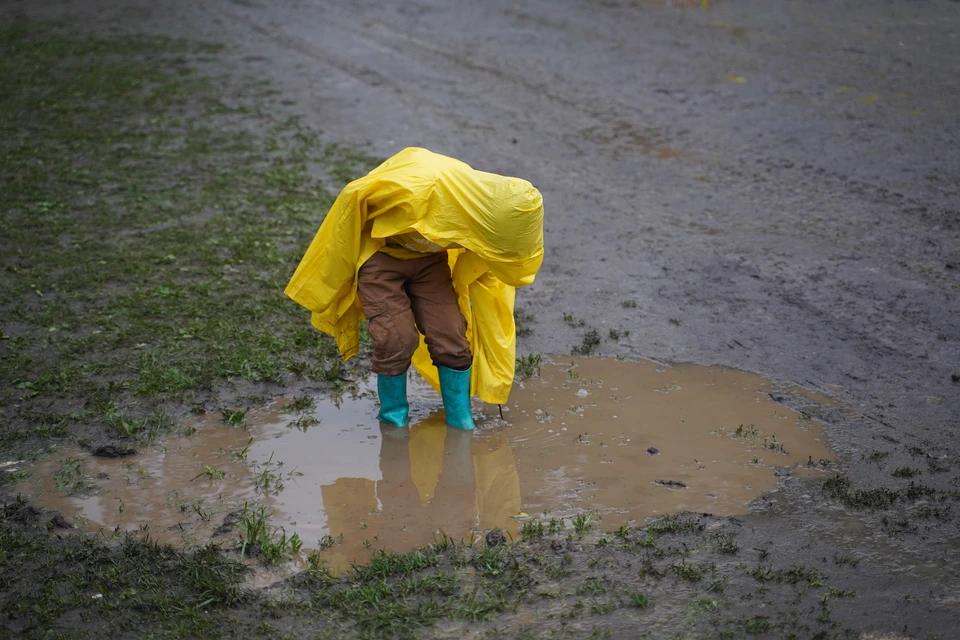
point(604, 131)
point(503, 89)
point(611, 134)
point(278, 35)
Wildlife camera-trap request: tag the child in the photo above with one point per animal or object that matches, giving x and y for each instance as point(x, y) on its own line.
point(429, 250)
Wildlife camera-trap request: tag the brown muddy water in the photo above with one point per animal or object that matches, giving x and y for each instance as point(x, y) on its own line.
point(624, 441)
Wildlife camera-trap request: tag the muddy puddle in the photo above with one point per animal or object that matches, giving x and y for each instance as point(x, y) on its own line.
point(621, 440)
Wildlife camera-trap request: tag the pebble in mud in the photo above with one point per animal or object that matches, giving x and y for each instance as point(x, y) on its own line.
point(113, 451)
point(495, 538)
point(653, 451)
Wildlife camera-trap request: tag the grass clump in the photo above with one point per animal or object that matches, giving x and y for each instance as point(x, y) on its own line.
point(841, 489)
point(531, 530)
point(905, 472)
point(589, 344)
point(384, 565)
point(529, 365)
point(522, 319)
point(257, 536)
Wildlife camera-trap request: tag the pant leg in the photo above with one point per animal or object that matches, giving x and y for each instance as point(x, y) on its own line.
point(435, 308)
point(386, 306)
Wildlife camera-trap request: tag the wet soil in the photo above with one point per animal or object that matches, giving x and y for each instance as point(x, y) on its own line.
point(771, 185)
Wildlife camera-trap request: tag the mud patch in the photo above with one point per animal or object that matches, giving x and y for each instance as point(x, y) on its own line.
point(621, 440)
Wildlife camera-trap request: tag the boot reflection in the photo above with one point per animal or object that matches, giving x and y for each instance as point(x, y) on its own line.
point(433, 479)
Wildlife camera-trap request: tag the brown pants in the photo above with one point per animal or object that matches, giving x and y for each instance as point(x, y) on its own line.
point(401, 296)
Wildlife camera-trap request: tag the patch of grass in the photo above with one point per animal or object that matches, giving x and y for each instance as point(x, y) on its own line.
point(582, 523)
point(757, 624)
point(639, 600)
point(262, 540)
point(841, 489)
point(834, 592)
point(304, 422)
point(384, 565)
point(762, 573)
point(905, 472)
point(688, 571)
point(671, 524)
point(589, 344)
point(529, 366)
point(846, 560)
point(302, 404)
point(153, 229)
point(572, 320)
point(593, 587)
point(522, 320)
point(13, 477)
point(267, 477)
point(114, 586)
point(71, 479)
point(234, 417)
point(726, 543)
point(749, 431)
point(212, 473)
point(531, 530)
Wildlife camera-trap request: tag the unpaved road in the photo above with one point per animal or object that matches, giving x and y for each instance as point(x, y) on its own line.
point(776, 185)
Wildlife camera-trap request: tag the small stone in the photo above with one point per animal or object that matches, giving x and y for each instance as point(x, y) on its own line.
point(59, 522)
point(955, 377)
point(495, 538)
point(670, 483)
point(653, 451)
point(229, 521)
point(103, 476)
point(113, 451)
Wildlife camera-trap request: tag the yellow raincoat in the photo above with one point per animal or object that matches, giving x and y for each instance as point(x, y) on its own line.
point(496, 221)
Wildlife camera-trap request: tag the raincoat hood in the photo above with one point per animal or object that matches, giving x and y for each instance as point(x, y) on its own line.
point(445, 200)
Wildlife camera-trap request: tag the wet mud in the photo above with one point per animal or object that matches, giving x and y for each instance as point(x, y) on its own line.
point(622, 441)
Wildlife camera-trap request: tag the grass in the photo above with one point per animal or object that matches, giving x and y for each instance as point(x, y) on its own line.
point(522, 320)
point(588, 345)
point(71, 480)
point(262, 540)
point(149, 231)
point(572, 320)
point(529, 365)
point(531, 530)
point(841, 489)
point(905, 472)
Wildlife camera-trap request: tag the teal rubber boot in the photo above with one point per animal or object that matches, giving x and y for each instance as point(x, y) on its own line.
point(455, 390)
point(393, 399)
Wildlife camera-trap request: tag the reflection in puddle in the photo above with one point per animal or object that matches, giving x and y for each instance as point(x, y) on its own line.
point(624, 440)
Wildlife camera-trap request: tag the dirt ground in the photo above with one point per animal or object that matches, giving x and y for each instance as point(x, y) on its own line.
point(775, 185)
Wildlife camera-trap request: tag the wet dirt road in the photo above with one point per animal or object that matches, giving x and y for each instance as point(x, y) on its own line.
point(775, 185)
